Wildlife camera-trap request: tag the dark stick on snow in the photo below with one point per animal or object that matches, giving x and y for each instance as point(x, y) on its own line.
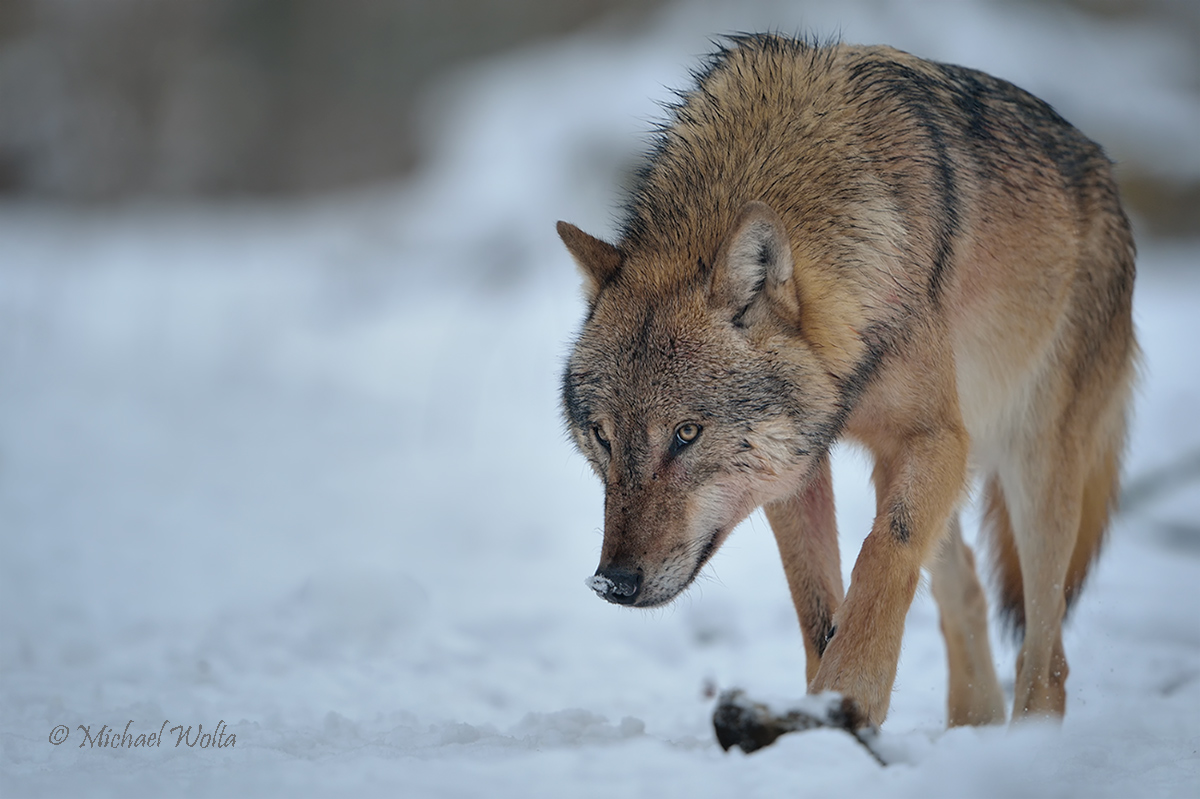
point(751, 725)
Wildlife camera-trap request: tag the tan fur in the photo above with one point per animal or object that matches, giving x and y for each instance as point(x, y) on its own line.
point(851, 242)
point(974, 696)
point(806, 532)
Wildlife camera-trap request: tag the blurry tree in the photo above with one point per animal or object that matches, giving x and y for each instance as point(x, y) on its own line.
point(1169, 204)
point(106, 98)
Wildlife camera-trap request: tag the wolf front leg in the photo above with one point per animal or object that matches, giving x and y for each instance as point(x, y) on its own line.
point(805, 529)
point(919, 477)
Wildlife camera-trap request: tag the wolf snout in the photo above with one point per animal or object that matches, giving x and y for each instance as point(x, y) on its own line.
point(617, 585)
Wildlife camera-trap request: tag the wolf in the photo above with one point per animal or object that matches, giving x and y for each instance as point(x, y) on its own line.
point(828, 242)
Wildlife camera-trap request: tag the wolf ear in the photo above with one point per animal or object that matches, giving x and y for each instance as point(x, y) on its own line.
point(753, 264)
point(597, 260)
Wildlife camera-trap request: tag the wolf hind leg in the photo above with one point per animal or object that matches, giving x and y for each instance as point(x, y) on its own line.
point(1042, 489)
point(1044, 508)
point(974, 696)
point(1059, 527)
point(805, 530)
point(1059, 505)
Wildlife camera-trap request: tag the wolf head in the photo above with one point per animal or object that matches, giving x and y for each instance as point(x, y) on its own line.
point(693, 395)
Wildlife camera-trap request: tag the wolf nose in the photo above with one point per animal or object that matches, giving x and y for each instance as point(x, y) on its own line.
point(620, 586)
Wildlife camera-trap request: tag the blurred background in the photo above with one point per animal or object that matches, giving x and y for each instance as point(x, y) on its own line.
point(108, 99)
point(282, 316)
point(103, 100)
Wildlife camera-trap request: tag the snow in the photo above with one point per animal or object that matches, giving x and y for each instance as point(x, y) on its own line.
point(600, 584)
point(298, 467)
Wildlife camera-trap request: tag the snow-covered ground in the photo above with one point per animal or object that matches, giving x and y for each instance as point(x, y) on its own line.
point(299, 468)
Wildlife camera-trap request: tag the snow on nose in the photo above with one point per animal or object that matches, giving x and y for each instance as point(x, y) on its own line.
point(620, 586)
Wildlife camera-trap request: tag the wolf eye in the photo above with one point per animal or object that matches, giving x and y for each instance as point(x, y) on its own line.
point(686, 434)
point(600, 439)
